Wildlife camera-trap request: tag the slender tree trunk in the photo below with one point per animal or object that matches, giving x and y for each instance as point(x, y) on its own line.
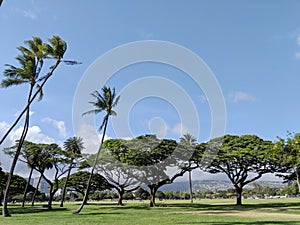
point(65, 187)
point(297, 180)
point(239, 192)
point(152, 196)
point(1, 198)
point(36, 190)
point(86, 195)
point(191, 187)
point(30, 101)
point(26, 188)
point(5, 212)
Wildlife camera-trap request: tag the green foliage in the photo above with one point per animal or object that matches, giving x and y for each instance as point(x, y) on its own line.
point(17, 185)
point(73, 147)
point(142, 194)
point(288, 153)
point(238, 156)
point(106, 100)
point(78, 182)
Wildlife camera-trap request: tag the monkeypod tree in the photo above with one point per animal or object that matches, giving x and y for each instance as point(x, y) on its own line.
point(243, 159)
point(288, 153)
point(154, 160)
point(77, 182)
point(119, 175)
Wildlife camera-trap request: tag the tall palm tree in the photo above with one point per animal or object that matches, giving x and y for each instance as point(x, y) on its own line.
point(105, 101)
point(189, 140)
point(55, 51)
point(31, 61)
point(73, 147)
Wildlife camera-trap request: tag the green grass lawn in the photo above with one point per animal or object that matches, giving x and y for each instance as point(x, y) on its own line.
point(215, 212)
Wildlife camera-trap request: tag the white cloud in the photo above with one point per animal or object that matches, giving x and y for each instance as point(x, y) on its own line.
point(34, 134)
point(91, 140)
point(180, 129)
point(238, 96)
point(158, 126)
point(32, 14)
point(60, 125)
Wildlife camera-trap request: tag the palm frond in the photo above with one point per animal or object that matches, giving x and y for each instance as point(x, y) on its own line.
point(116, 101)
point(71, 62)
point(10, 82)
point(58, 45)
point(93, 111)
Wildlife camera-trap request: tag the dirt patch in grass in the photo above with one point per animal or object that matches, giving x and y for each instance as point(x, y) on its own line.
point(248, 213)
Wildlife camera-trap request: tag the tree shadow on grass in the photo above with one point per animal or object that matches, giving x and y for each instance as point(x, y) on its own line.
point(97, 213)
point(27, 210)
point(247, 223)
point(198, 206)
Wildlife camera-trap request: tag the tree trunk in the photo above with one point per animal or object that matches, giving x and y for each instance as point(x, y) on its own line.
point(297, 180)
point(120, 200)
point(239, 192)
point(65, 187)
point(191, 187)
point(152, 196)
point(27, 185)
point(86, 195)
point(51, 195)
point(36, 190)
point(30, 101)
point(1, 198)
point(5, 212)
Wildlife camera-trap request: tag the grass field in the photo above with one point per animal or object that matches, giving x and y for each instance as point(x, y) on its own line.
point(215, 212)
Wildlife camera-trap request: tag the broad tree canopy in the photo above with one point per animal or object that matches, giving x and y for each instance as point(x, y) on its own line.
point(243, 159)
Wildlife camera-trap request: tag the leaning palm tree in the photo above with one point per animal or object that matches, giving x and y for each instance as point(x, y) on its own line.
point(73, 147)
point(105, 101)
point(55, 51)
point(189, 140)
point(31, 61)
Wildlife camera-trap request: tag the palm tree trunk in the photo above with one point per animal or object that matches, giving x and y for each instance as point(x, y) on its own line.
point(297, 179)
point(85, 198)
point(5, 212)
point(30, 101)
point(191, 187)
point(1, 198)
point(36, 190)
point(65, 187)
point(27, 185)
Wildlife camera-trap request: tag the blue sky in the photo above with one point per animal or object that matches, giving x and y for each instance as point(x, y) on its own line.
point(252, 48)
